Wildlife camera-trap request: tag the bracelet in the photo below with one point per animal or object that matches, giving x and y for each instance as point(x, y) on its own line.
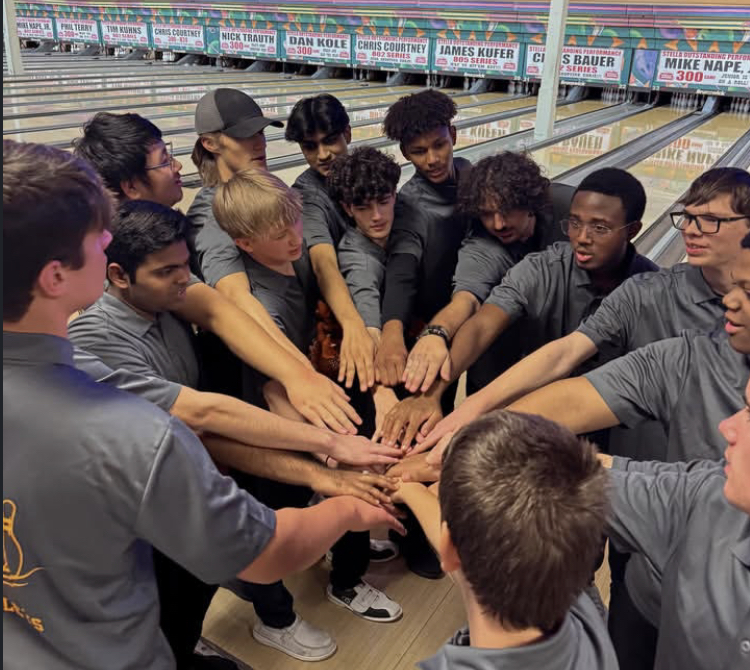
point(435, 330)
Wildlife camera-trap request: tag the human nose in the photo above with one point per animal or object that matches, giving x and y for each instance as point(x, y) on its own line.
point(583, 234)
point(183, 276)
point(323, 152)
point(692, 227)
point(176, 165)
point(377, 213)
point(498, 221)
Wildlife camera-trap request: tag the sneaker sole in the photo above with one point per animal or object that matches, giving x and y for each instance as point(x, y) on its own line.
point(275, 645)
point(341, 603)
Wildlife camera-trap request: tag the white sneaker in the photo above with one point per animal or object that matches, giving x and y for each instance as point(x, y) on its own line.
point(301, 640)
point(366, 601)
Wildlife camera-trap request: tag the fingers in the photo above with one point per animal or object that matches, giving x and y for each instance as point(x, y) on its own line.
point(414, 372)
point(410, 432)
point(435, 457)
point(427, 440)
point(366, 370)
point(351, 370)
point(394, 524)
point(342, 403)
point(378, 453)
point(431, 422)
point(392, 426)
point(446, 369)
point(333, 422)
point(431, 373)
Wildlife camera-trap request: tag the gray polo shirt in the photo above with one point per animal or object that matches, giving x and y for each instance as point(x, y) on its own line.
point(323, 220)
point(290, 300)
point(362, 264)
point(581, 643)
point(214, 253)
point(122, 338)
point(552, 294)
point(688, 384)
point(699, 546)
point(653, 306)
point(159, 391)
point(93, 478)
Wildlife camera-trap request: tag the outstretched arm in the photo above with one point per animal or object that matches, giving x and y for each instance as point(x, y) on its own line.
point(357, 346)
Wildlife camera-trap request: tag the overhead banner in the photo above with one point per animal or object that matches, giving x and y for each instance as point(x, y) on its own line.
point(125, 33)
point(680, 69)
point(248, 42)
point(393, 52)
point(39, 29)
point(77, 30)
point(470, 57)
point(178, 38)
point(580, 64)
point(318, 47)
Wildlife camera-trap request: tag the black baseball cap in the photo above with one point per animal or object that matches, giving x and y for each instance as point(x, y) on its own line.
point(231, 112)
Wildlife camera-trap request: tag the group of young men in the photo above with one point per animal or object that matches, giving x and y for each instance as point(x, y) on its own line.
point(308, 340)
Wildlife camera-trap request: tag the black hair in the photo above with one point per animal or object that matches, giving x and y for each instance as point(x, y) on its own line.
point(512, 180)
point(141, 228)
point(363, 175)
point(51, 201)
point(417, 114)
point(117, 145)
point(618, 184)
point(319, 114)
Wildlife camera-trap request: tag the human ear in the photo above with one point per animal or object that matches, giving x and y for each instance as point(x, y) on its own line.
point(117, 276)
point(132, 189)
point(51, 280)
point(244, 244)
point(452, 131)
point(633, 229)
point(348, 209)
point(449, 560)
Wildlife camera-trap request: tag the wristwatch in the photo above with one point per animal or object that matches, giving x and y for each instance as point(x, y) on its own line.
point(435, 330)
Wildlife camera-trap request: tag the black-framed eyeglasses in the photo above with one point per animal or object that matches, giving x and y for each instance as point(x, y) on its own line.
point(597, 229)
point(706, 223)
point(167, 163)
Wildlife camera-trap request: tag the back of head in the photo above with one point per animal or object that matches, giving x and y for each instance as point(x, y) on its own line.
point(51, 201)
point(117, 145)
point(417, 114)
point(618, 184)
point(509, 180)
point(255, 203)
point(363, 175)
point(320, 114)
point(140, 228)
point(525, 502)
point(731, 181)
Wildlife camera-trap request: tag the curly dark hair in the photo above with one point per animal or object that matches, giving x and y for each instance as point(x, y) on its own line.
point(512, 180)
point(417, 114)
point(363, 175)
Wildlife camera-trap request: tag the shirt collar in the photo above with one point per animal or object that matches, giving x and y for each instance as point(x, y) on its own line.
point(632, 263)
point(700, 291)
point(742, 547)
point(125, 316)
point(37, 348)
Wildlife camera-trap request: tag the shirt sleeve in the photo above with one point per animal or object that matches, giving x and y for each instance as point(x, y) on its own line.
point(315, 223)
point(160, 392)
point(612, 324)
point(644, 384)
point(197, 517)
point(482, 264)
point(118, 353)
point(524, 286)
point(364, 276)
point(401, 285)
point(649, 510)
point(217, 253)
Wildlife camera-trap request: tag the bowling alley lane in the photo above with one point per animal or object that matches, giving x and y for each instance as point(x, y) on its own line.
point(667, 173)
point(574, 151)
point(190, 94)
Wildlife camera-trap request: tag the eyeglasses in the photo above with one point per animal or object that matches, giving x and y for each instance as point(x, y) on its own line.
point(707, 224)
point(167, 163)
point(597, 229)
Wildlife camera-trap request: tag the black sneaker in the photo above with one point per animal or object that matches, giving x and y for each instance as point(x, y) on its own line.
point(366, 601)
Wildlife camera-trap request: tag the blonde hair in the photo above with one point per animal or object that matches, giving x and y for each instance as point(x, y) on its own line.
point(205, 161)
point(254, 203)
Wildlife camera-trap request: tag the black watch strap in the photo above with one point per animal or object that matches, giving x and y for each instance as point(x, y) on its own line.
point(435, 330)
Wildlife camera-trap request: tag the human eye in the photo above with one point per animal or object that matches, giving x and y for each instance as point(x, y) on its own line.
point(600, 229)
point(309, 146)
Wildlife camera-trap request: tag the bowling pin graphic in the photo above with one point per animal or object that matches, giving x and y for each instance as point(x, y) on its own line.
point(13, 575)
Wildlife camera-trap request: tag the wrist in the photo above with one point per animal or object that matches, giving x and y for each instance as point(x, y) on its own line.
point(437, 331)
point(393, 329)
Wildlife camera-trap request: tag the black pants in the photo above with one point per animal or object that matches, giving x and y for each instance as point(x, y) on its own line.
point(633, 636)
point(183, 600)
point(273, 603)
